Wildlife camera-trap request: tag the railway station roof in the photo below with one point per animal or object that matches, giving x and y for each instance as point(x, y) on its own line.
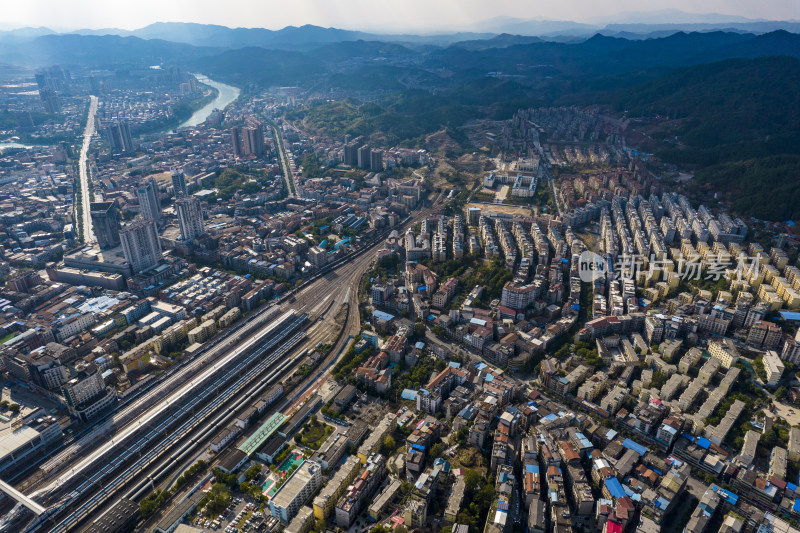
point(262, 435)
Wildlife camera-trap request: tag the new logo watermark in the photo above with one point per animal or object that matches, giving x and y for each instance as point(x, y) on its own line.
point(591, 266)
point(712, 267)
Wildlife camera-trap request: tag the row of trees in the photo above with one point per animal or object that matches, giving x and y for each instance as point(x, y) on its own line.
point(480, 494)
point(150, 504)
point(347, 365)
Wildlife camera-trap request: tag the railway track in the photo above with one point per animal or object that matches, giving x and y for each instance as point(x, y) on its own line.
point(184, 410)
point(139, 465)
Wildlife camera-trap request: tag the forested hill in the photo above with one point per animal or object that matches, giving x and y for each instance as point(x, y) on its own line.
point(765, 187)
point(737, 122)
point(724, 103)
point(745, 108)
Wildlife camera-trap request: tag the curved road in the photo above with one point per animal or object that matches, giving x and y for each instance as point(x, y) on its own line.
point(86, 210)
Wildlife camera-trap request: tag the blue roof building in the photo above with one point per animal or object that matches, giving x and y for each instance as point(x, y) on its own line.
point(614, 488)
point(409, 394)
point(381, 315)
point(635, 446)
point(727, 495)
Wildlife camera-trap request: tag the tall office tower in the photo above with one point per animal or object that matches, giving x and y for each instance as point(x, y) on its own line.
point(50, 100)
point(363, 157)
point(140, 245)
point(376, 160)
point(236, 142)
point(54, 78)
point(118, 136)
point(190, 217)
point(148, 200)
point(105, 221)
point(112, 136)
point(179, 183)
point(253, 140)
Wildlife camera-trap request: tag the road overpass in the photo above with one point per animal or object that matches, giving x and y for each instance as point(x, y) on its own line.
point(10, 491)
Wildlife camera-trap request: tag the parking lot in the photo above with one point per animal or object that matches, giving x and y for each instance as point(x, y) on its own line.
point(240, 516)
point(788, 413)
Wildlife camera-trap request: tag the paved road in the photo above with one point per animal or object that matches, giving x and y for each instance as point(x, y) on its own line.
point(551, 181)
point(86, 211)
point(284, 160)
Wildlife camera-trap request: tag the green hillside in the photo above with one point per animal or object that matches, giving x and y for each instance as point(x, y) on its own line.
point(723, 103)
point(765, 188)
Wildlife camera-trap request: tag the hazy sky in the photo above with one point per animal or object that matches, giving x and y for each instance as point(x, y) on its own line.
point(358, 14)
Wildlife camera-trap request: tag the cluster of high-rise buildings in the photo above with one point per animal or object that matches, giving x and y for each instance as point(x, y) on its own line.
point(359, 155)
point(118, 136)
point(248, 140)
point(139, 239)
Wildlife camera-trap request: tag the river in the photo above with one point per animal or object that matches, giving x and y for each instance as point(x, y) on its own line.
point(4, 145)
point(225, 95)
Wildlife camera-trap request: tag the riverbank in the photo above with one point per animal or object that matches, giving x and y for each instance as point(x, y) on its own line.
point(29, 141)
point(226, 94)
point(180, 113)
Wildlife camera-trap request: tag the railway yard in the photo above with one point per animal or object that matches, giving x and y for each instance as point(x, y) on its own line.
point(167, 426)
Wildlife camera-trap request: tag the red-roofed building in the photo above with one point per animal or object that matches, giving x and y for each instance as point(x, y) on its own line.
point(506, 312)
point(612, 526)
point(375, 374)
point(568, 453)
point(447, 380)
point(624, 510)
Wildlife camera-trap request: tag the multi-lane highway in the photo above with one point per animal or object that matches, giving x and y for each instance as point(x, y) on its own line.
point(288, 175)
point(86, 210)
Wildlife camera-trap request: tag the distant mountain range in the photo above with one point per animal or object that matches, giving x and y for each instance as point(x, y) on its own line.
point(106, 51)
point(671, 16)
point(211, 35)
point(732, 95)
point(313, 52)
point(503, 30)
point(300, 37)
point(224, 37)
